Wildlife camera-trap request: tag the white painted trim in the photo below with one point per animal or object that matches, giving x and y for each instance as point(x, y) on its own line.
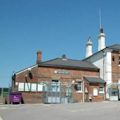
point(26, 69)
point(79, 91)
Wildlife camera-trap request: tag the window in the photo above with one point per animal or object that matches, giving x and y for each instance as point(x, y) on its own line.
point(114, 92)
point(45, 87)
point(68, 91)
point(27, 86)
point(20, 86)
point(101, 90)
point(40, 87)
point(33, 87)
point(78, 86)
point(55, 86)
point(113, 58)
point(95, 92)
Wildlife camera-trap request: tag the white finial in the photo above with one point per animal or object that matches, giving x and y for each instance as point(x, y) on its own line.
point(101, 37)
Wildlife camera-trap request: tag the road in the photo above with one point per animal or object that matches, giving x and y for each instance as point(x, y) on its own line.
point(75, 111)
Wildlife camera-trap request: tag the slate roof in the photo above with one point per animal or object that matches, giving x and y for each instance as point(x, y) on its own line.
point(115, 47)
point(94, 80)
point(64, 62)
point(68, 63)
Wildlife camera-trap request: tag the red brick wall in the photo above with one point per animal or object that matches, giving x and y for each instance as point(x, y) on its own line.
point(32, 97)
point(115, 67)
point(98, 98)
point(47, 74)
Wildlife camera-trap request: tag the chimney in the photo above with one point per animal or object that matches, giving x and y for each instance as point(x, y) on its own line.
point(39, 57)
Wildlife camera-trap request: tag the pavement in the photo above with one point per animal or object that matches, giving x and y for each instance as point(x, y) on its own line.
point(76, 111)
point(1, 118)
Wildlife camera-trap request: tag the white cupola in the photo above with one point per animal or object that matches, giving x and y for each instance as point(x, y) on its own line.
point(101, 40)
point(89, 47)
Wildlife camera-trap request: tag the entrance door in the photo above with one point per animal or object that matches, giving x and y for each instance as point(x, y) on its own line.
point(58, 93)
point(53, 93)
point(114, 93)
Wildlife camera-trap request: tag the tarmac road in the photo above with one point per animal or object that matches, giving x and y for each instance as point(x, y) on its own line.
point(75, 111)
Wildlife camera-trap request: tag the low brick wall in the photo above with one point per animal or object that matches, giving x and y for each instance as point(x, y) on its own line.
point(32, 97)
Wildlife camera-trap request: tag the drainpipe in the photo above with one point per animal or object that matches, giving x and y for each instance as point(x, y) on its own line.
point(83, 91)
point(104, 54)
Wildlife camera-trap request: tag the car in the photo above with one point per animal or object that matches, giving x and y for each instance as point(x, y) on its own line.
point(14, 98)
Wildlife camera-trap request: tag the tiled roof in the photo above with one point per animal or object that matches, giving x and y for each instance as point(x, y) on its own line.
point(114, 47)
point(64, 63)
point(68, 63)
point(95, 80)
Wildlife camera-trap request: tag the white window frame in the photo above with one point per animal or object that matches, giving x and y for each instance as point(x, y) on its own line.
point(21, 86)
point(27, 87)
point(101, 91)
point(95, 91)
point(79, 81)
point(33, 87)
point(40, 87)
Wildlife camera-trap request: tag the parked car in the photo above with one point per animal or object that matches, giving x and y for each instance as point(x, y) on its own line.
point(14, 98)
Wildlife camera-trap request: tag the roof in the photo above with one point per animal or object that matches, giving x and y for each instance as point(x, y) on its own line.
point(95, 80)
point(68, 63)
point(64, 63)
point(28, 68)
point(113, 47)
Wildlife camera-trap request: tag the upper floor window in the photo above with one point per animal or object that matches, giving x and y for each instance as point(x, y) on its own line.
point(113, 58)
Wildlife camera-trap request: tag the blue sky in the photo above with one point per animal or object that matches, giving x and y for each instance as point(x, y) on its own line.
point(55, 27)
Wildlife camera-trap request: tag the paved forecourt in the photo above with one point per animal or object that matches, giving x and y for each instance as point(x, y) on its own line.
point(76, 111)
point(1, 118)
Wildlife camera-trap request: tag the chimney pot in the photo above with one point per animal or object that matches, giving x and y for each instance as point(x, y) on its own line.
point(39, 57)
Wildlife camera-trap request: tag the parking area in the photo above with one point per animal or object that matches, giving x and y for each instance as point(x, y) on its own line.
point(76, 111)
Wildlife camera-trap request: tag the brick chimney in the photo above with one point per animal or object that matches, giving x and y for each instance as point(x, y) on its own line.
point(39, 57)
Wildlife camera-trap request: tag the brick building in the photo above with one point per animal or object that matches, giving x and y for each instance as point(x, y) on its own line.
point(107, 59)
point(60, 80)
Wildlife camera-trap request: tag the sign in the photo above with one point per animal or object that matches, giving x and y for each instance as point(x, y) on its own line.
point(61, 72)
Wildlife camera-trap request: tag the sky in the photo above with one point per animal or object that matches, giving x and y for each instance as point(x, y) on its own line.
point(54, 27)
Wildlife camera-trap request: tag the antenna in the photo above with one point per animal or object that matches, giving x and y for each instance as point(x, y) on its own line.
point(100, 21)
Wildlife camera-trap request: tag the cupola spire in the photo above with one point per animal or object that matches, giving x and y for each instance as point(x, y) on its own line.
point(101, 37)
point(89, 47)
point(101, 40)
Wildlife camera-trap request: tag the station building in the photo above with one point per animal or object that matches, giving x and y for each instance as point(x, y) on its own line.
point(59, 80)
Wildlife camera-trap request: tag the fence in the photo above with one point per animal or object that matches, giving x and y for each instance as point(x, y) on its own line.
point(3, 93)
point(56, 92)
